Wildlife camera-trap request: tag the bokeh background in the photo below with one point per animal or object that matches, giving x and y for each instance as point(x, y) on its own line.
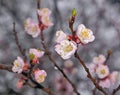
point(101, 16)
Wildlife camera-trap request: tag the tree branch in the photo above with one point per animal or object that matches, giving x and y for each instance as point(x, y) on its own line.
point(116, 90)
point(22, 51)
point(37, 85)
point(89, 75)
point(49, 54)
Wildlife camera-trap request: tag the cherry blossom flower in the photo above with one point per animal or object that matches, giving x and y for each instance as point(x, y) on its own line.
point(60, 35)
point(114, 77)
point(102, 71)
point(46, 21)
point(44, 16)
point(35, 53)
point(66, 48)
point(32, 28)
point(44, 12)
point(105, 78)
point(40, 75)
point(92, 67)
point(99, 60)
point(85, 35)
point(109, 81)
point(18, 65)
point(105, 83)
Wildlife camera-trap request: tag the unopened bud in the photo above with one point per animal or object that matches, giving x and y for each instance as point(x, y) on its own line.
point(74, 12)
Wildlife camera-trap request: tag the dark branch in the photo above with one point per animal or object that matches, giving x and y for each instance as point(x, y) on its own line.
point(22, 51)
point(116, 90)
point(51, 59)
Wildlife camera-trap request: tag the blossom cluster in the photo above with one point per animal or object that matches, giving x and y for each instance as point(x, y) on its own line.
point(67, 44)
point(101, 70)
point(33, 28)
point(19, 66)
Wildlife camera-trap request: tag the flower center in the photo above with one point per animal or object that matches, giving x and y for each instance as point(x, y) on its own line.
point(58, 34)
point(40, 78)
point(45, 11)
point(34, 29)
point(47, 19)
point(99, 58)
point(68, 48)
point(102, 71)
point(85, 33)
point(17, 65)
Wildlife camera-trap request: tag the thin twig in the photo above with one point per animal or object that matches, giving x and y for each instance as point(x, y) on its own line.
point(55, 64)
point(94, 91)
point(116, 90)
point(22, 51)
point(50, 58)
point(89, 75)
point(109, 52)
point(71, 23)
point(37, 85)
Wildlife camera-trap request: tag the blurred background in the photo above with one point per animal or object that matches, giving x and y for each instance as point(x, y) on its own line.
point(101, 16)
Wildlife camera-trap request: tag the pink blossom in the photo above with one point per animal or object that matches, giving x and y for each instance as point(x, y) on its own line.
point(114, 77)
point(18, 65)
point(32, 28)
point(105, 83)
point(44, 17)
point(92, 67)
point(99, 60)
point(85, 35)
point(66, 48)
point(35, 53)
point(40, 75)
point(46, 21)
point(102, 71)
point(44, 12)
point(60, 35)
point(109, 81)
